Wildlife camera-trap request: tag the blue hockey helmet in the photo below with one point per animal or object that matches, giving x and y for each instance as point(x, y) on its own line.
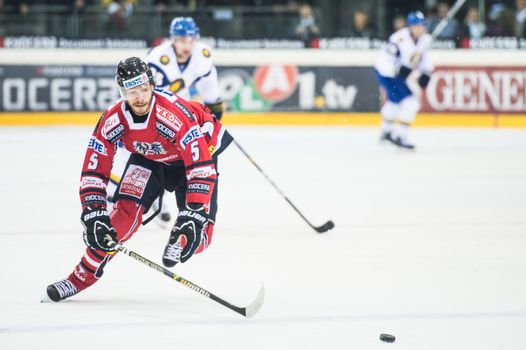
point(184, 26)
point(416, 18)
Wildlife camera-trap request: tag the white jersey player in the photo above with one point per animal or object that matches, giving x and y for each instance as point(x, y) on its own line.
point(405, 51)
point(184, 62)
point(179, 65)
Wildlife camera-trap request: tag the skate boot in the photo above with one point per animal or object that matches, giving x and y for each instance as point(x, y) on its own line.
point(386, 136)
point(403, 143)
point(61, 290)
point(172, 251)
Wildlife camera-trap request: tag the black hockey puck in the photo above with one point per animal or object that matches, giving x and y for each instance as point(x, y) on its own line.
point(388, 338)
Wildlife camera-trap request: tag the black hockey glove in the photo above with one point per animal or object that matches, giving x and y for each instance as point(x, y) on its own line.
point(404, 72)
point(190, 223)
point(98, 230)
point(423, 80)
point(216, 109)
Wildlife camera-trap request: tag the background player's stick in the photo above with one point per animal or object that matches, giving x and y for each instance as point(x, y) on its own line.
point(248, 311)
point(450, 14)
point(329, 225)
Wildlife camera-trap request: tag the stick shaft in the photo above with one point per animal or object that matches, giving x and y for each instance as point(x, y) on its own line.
point(179, 279)
point(273, 184)
point(451, 13)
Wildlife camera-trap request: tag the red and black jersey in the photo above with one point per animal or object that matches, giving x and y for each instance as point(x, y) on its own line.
point(174, 130)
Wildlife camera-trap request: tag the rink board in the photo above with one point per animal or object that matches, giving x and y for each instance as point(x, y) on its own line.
point(290, 118)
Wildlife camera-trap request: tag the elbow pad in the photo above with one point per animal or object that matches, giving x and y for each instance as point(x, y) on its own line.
point(404, 72)
point(423, 80)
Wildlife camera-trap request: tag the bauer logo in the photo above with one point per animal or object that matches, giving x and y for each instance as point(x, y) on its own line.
point(192, 134)
point(96, 145)
point(133, 82)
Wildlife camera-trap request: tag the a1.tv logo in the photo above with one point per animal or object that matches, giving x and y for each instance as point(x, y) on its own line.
point(275, 82)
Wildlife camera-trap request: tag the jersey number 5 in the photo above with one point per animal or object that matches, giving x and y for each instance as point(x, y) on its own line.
point(93, 161)
point(195, 150)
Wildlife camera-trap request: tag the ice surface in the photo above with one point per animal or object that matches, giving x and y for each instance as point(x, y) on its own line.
point(429, 246)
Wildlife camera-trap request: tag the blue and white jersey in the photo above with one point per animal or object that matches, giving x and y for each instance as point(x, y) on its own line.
point(400, 49)
point(198, 72)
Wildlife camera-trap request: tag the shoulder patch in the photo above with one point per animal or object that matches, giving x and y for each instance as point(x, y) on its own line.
point(164, 59)
point(206, 53)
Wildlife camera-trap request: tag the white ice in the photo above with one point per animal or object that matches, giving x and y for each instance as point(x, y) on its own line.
point(429, 246)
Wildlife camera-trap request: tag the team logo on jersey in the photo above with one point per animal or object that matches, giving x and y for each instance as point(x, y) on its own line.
point(192, 134)
point(164, 59)
point(206, 53)
point(96, 145)
point(148, 149)
point(169, 117)
point(134, 181)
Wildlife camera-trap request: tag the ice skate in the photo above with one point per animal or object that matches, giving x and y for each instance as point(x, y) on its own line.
point(61, 290)
point(403, 143)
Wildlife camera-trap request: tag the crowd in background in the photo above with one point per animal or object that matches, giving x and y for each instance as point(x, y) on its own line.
point(500, 19)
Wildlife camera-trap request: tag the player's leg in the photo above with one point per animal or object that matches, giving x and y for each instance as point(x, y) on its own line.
point(173, 249)
point(391, 108)
point(126, 218)
point(140, 185)
point(409, 107)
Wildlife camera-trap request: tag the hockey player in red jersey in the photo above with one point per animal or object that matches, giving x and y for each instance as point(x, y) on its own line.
point(174, 145)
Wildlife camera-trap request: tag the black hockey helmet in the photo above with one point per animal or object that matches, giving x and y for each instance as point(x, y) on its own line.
point(133, 72)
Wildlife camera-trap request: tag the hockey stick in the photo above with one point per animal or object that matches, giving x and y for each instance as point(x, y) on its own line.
point(450, 14)
point(329, 225)
point(247, 311)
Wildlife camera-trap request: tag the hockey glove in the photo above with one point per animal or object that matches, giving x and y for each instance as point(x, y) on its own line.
point(423, 80)
point(186, 236)
point(404, 72)
point(98, 230)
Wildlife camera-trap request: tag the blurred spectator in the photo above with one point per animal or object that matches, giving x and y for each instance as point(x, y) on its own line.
point(474, 28)
point(119, 12)
point(399, 22)
point(362, 27)
point(23, 8)
point(501, 21)
point(78, 7)
point(520, 19)
point(307, 30)
point(452, 29)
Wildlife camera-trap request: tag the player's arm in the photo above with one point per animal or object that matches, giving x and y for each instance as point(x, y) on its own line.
point(94, 179)
point(208, 87)
point(425, 67)
point(201, 179)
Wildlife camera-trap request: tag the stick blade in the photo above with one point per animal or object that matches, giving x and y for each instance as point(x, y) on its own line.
point(329, 225)
point(256, 305)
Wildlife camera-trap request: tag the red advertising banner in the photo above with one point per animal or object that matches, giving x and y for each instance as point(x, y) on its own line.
point(476, 89)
